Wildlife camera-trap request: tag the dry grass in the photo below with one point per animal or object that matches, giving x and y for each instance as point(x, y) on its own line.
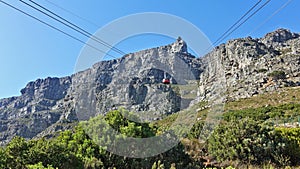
point(282, 96)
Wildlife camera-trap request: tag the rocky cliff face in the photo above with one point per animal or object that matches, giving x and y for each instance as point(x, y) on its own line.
point(238, 69)
point(253, 66)
point(133, 81)
point(33, 111)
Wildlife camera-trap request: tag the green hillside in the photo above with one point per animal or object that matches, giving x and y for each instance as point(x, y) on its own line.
point(257, 132)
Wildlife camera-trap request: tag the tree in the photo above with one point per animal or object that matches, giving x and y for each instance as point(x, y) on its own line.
point(3, 158)
point(246, 140)
point(17, 151)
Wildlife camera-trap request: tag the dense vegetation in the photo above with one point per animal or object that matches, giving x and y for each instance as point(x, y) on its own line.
point(245, 137)
point(251, 136)
point(75, 149)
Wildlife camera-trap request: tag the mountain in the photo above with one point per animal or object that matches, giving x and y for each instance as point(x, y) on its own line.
point(133, 81)
point(246, 67)
point(240, 68)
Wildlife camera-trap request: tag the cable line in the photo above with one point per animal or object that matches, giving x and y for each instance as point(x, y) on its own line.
point(72, 13)
point(53, 27)
point(71, 25)
point(237, 22)
point(244, 21)
point(101, 41)
point(213, 60)
point(271, 16)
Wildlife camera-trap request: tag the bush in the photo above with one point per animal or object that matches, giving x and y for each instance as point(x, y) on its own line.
point(262, 70)
point(276, 75)
point(249, 136)
point(292, 141)
point(244, 139)
point(39, 166)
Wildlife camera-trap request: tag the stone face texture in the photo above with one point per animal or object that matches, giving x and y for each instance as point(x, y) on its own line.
point(133, 82)
point(248, 64)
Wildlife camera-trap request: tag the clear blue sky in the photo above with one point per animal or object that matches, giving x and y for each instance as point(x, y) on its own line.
point(30, 50)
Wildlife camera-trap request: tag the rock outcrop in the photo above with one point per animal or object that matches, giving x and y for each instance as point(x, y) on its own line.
point(253, 66)
point(240, 68)
point(133, 81)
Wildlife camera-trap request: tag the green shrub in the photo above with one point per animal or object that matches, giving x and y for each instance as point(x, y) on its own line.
point(292, 141)
point(276, 75)
point(262, 70)
point(245, 139)
point(39, 166)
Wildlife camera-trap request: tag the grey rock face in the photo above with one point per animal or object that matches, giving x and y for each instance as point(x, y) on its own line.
point(250, 65)
point(49, 88)
point(133, 82)
point(279, 36)
point(33, 111)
